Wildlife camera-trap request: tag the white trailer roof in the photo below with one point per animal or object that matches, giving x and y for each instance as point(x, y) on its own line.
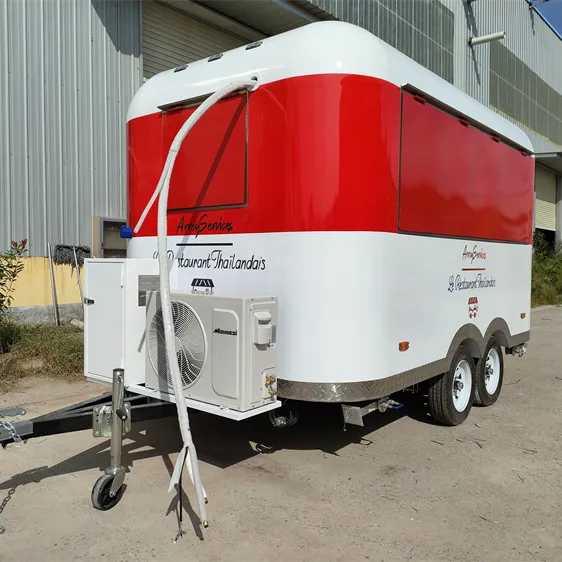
point(329, 47)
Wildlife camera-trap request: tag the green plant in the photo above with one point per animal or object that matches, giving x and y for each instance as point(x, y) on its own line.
point(43, 350)
point(10, 334)
point(11, 265)
point(546, 287)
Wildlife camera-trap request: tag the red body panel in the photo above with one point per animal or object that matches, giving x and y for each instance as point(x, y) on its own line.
point(210, 169)
point(456, 180)
point(323, 154)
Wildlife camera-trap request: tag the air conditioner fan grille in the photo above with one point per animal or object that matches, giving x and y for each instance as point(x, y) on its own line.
point(190, 344)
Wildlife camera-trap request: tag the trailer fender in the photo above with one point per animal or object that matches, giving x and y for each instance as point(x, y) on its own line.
point(499, 329)
point(472, 347)
point(477, 342)
point(470, 336)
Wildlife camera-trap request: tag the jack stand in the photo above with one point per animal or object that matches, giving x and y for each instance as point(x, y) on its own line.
point(108, 489)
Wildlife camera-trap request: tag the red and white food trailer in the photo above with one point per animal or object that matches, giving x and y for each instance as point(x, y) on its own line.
point(389, 212)
point(342, 226)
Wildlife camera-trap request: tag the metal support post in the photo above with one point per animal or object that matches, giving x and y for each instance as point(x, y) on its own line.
point(77, 267)
point(119, 416)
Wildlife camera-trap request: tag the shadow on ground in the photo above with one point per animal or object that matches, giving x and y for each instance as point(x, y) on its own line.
point(224, 443)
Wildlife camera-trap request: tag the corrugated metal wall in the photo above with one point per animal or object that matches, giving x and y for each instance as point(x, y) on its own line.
point(528, 37)
point(416, 28)
point(520, 93)
point(171, 38)
point(68, 70)
point(421, 29)
point(545, 202)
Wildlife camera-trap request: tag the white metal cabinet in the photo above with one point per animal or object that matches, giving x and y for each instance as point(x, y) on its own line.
point(111, 312)
point(103, 346)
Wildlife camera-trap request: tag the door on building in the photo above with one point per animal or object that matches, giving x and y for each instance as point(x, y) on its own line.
point(545, 203)
point(171, 38)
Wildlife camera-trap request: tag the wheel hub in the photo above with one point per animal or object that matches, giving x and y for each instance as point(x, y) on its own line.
point(492, 374)
point(462, 386)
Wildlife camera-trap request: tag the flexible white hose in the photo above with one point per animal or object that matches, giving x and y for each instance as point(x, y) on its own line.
point(188, 451)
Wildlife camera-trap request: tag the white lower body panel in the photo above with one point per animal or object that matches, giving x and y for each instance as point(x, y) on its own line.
point(346, 300)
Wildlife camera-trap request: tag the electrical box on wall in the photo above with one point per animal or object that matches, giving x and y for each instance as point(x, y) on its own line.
point(107, 240)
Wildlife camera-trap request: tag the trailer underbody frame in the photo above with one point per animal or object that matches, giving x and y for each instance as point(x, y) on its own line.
point(79, 417)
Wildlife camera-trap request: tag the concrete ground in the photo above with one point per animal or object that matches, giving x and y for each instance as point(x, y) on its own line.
point(399, 489)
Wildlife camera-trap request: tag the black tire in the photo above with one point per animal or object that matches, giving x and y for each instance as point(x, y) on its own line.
point(441, 400)
point(482, 396)
point(100, 493)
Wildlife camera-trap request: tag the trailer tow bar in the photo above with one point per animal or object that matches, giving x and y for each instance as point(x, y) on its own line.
point(107, 415)
point(8, 427)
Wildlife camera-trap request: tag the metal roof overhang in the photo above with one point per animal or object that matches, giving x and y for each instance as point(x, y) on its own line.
point(251, 19)
point(551, 160)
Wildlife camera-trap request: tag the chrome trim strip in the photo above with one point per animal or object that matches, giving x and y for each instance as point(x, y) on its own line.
point(370, 390)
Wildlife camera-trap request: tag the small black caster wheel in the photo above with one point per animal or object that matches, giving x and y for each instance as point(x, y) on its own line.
point(100, 493)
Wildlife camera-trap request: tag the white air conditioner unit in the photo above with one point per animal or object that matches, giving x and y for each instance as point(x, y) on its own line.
point(225, 349)
point(226, 346)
